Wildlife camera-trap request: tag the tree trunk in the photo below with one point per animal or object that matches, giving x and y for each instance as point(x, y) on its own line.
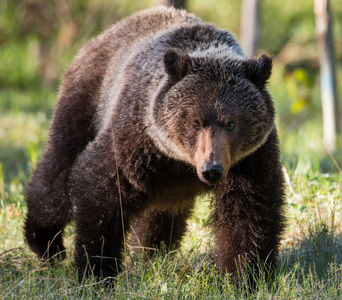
point(328, 73)
point(250, 26)
point(174, 3)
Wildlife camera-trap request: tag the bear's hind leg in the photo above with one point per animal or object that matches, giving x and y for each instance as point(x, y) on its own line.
point(47, 199)
point(49, 210)
point(72, 128)
point(47, 243)
point(153, 228)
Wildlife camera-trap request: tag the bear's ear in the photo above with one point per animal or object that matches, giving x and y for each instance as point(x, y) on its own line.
point(177, 65)
point(259, 70)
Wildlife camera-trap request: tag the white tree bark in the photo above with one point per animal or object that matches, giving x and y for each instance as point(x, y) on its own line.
point(174, 3)
point(249, 26)
point(328, 73)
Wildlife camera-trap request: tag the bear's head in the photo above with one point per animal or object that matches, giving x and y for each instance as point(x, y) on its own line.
point(213, 112)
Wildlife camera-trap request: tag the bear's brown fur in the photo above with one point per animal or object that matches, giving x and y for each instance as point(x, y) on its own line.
point(156, 110)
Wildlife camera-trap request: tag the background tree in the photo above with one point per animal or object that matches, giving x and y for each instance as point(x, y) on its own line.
point(174, 3)
point(250, 26)
point(328, 72)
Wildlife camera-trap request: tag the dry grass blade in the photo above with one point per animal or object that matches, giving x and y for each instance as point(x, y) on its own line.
point(333, 159)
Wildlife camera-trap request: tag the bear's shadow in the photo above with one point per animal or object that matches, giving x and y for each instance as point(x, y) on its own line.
point(318, 251)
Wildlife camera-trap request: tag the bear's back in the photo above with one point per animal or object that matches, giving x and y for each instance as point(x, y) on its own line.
point(112, 48)
point(142, 27)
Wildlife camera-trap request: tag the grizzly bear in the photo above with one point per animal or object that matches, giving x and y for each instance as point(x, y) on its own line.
point(154, 111)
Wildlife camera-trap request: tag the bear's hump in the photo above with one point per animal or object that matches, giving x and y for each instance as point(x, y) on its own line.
point(202, 40)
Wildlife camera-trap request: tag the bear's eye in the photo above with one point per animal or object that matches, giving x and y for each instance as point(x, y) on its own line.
point(230, 126)
point(196, 125)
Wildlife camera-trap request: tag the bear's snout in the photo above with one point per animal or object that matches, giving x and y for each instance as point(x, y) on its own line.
point(211, 172)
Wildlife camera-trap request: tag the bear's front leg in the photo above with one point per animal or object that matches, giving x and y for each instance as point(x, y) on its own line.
point(249, 214)
point(97, 200)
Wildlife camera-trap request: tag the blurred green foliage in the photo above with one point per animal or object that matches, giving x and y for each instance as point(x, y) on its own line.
point(299, 85)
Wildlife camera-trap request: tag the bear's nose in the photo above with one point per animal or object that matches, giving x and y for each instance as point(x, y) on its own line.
point(212, 172)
